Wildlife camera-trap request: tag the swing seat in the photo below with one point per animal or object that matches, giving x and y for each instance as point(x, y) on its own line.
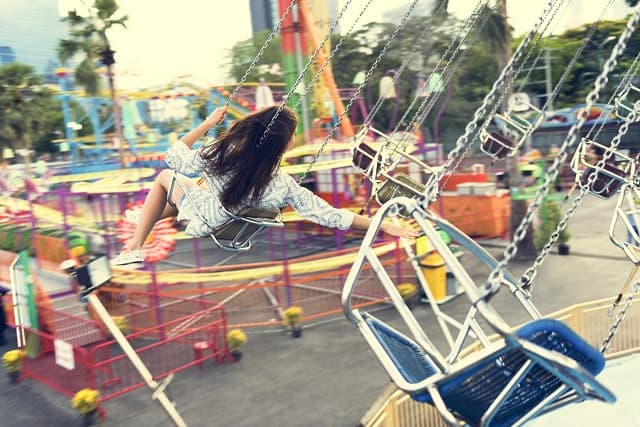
point(363, 159)
point(504, 384)
point(237, 233)
point(626, 107)
point(399, 185)
point(607, 183)
point(496, 145)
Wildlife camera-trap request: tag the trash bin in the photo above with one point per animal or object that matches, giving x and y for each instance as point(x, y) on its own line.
point(435, 272)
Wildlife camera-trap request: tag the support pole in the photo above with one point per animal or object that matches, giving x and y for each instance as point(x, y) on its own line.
point(158, 388)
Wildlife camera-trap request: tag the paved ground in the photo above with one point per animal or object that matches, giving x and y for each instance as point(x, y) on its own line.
point(329, 377)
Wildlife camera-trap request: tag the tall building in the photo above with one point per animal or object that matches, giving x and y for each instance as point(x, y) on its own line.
point(262, 14)
point(265, 14)
point(29, 33)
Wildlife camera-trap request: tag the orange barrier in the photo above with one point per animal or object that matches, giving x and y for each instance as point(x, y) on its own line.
point(459, 178)
point(477, 216)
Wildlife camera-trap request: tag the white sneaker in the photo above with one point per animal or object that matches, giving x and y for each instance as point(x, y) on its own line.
point(133, 215)
point(129, 258)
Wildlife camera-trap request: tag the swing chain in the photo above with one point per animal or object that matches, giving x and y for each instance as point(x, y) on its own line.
point(335, 50)
point(266, 43)
point(429, 101)
point(548, 18)
point(360, 87)
point(432, 191)
point(569, 141)
point(405, 63)
point(615, 325)
point(530, 274)
point(294, 86)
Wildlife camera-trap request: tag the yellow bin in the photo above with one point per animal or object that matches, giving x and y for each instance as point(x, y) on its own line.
point(433, 268)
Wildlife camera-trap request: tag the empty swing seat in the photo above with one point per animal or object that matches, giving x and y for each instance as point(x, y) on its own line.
point(470, 392)
point(608, 180)
point(507, 381)
point(363, 158)
point(236, 234)
point(397, 186)
point(497, 145)
point(409, 359)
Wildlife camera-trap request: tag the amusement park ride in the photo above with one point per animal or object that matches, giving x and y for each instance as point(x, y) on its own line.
point(509, 376)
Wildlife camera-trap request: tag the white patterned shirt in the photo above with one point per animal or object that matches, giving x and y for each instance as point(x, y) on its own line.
point(283, 190)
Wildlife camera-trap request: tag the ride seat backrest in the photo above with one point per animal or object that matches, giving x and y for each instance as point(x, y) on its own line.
point(397, 186)
point(605, 184)
point(497, 144)
point(471, 391)
point(407, 356)
point(246, 223)
point(363, 157)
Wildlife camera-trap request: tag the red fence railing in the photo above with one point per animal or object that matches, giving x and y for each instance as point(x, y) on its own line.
point(165, 348)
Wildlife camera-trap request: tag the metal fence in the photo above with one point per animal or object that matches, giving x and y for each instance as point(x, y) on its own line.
point(169, 334)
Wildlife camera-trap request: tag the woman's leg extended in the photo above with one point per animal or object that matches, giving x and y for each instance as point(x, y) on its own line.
point(155, 206)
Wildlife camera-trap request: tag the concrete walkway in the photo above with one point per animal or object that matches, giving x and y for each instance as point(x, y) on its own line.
point(329, 377)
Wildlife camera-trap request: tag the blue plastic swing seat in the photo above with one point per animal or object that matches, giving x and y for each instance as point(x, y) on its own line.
point(470, 392)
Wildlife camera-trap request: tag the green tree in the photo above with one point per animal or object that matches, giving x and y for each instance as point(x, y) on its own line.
point(27, 110)
point(244, 52)
point(89, 39)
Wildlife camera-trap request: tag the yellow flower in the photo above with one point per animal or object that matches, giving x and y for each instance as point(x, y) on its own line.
point(406, 290)
point(85, 400)
point(12, 360)
point(236, 338)
point(292, 315)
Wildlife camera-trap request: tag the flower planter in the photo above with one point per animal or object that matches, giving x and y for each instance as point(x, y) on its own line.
point(563, 249)
point(296, 332)
point(89, 418)
point(13, 376)
point(236, 355)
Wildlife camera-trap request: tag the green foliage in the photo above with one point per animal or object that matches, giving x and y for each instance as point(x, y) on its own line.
point(89, 41)
point(244, 52)
point(29, 113)
point(550, 216)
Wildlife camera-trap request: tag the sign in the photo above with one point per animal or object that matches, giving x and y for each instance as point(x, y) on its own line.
point(64, 354)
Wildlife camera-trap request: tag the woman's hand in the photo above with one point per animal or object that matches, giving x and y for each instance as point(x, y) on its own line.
point(397, 231)
point(216, 117)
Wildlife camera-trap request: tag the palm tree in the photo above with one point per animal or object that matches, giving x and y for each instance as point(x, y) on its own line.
point(89, 38)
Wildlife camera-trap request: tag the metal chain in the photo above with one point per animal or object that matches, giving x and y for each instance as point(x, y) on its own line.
point(546, 42)
point(615, 325)
point(294, 86)
point(335, 50)
point(450, 54)
point(430, 100)
point(431, 191)
point(356, 93)
point(551, 16)
point(493, 282)
point(626, 79)
point(529, 275)
point(427, 30)
point(266, 43)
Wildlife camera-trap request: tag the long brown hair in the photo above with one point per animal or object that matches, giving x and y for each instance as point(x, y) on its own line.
point(246, 158)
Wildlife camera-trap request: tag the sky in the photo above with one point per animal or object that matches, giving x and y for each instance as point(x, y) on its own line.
point(164, 41)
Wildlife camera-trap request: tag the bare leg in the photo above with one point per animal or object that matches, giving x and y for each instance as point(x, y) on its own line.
point(155, 207)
